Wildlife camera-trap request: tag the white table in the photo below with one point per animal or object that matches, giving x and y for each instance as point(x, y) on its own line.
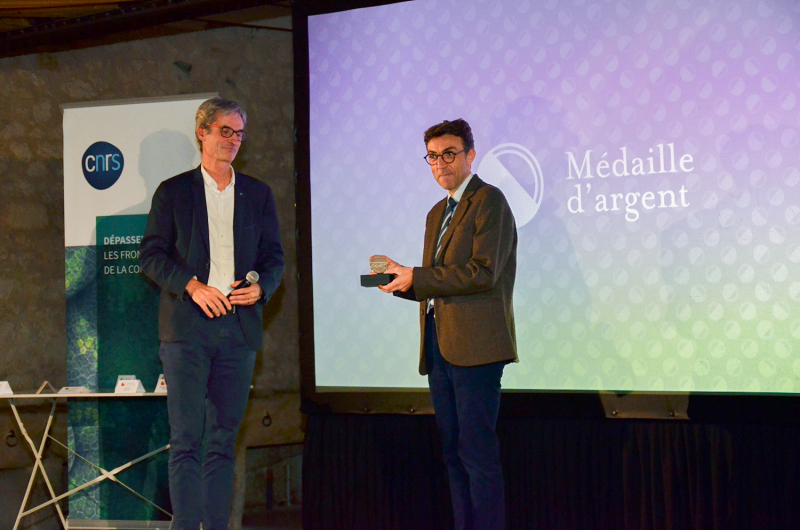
point(47, 391)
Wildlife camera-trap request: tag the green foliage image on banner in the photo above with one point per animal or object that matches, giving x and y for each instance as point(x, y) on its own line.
point(112, 330)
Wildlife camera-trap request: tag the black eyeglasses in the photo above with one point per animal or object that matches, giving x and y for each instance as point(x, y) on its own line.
point(447, 156)
point(227, 132)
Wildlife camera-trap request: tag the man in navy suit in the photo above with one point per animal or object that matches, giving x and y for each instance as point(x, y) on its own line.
point(207, 229)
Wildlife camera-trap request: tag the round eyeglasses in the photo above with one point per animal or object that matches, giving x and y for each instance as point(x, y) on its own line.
point(447, 156)
point(227, 132)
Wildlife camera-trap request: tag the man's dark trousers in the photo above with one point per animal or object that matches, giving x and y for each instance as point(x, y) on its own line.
point(208, 381)
point(466, 401)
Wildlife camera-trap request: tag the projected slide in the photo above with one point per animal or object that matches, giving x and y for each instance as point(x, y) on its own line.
point(649, 151)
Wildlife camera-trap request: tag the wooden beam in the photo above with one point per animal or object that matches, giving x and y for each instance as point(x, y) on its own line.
point(55, 12)
point(9, 24)
point(55, 34)
point(56, 4)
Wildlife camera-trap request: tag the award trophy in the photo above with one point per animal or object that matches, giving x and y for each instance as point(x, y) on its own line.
point(377, 264)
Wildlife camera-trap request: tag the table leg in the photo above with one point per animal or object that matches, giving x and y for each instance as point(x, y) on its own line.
point(37, 453)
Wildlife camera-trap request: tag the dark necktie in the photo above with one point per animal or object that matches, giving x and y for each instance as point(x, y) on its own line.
point(448, 215)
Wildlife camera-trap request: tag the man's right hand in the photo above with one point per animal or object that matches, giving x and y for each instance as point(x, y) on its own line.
point(404, 277)
point(210, 299)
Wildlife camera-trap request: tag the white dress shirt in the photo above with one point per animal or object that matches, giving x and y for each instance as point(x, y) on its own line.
point(460, 191)
point(220, 232)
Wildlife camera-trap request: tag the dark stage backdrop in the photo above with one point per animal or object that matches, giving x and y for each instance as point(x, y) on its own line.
point(384, 472)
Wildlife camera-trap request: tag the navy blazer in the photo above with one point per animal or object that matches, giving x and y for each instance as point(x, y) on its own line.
point(175, 249)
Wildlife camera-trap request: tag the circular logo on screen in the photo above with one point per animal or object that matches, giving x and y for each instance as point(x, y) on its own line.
point(514, 169)
point(102, 165)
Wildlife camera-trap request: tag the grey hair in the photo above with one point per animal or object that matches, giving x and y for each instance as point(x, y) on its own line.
point(211, 109)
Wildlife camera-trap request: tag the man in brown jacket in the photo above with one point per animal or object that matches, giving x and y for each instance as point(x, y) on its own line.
point(465, 289)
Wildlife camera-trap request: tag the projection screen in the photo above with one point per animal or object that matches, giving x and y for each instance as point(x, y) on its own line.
point(649, 151)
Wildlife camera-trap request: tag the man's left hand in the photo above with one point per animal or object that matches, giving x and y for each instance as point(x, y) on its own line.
point(245, 296)
point(402, 282)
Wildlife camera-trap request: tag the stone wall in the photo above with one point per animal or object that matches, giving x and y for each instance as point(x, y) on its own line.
point(251, 66)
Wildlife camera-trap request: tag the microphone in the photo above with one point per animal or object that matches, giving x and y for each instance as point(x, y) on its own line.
point(249, 279)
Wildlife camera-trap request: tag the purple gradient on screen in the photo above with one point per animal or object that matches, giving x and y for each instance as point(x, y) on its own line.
point(676, 271)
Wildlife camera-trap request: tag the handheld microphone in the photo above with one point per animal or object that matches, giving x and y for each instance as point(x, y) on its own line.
point(249, 279)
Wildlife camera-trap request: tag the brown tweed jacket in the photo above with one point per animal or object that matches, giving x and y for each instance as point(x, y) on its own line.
point(472, 281)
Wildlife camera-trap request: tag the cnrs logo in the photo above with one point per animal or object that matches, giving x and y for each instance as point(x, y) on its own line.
point(102, 165)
